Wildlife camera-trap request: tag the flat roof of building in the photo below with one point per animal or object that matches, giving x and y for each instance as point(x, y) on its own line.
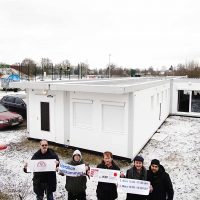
point(112, 85)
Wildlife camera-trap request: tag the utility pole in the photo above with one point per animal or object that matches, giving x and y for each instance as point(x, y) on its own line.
point(51, 71)
point(35, 72)
point(81, 71)
point(68, 71)
point(60, 73)
point(109, 66)
point(19, 70)
point(28, 72)
point(78, 71)
point(42, 72)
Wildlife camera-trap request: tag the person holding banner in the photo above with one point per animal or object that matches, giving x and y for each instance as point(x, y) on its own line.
point(139, 172)
point(44, 182)
point(107, 191)
point(160, 181)
point(76, 185)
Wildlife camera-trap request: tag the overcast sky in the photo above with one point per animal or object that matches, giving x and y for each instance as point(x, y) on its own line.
point(136, 33)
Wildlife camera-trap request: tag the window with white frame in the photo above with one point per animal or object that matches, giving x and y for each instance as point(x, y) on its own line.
point(195, 101)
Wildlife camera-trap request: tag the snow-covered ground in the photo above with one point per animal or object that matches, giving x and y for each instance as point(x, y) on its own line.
point(176, 144)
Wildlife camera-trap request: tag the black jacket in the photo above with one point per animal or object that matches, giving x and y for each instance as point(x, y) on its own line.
point(76, 185)
point(48, 178)
point(107, 191)
point(132, 174)
point(162, 185)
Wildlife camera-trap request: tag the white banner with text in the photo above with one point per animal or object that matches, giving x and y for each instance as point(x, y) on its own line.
point(104, 175)
point(134, 186)
point(45, 165)
point(71, 170)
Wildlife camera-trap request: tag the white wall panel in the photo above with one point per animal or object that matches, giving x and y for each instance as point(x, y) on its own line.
point(99, 122)
point(151, 107)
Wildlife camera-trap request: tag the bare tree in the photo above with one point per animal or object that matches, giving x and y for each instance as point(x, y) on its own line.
point(191, 69)
point(84, 69)
point(27, 67)
point(46, 65)
point(65, 67)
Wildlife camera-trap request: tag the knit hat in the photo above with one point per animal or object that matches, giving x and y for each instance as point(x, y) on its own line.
point(155, 162)
point(138, 158)
point(77, 152)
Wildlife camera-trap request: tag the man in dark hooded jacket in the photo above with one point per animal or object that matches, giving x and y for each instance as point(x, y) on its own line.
point(160, 181)
point(107, 191)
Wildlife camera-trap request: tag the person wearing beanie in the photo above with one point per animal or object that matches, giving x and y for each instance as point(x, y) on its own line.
point(155, 162)
point(160, 181)
point(76, 186)
point(139, 172)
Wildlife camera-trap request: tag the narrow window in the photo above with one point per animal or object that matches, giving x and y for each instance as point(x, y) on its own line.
point(183, 100)
point(45, 117)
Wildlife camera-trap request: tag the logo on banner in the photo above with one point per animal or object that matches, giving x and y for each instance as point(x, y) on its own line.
point(41, 164)
point(115, 174)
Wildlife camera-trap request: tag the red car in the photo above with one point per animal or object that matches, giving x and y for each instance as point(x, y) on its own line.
point(9, 119)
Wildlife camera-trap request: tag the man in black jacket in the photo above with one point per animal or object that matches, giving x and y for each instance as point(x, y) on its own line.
point(160, 181)
point(44, 182)
point(139, 172)
point(107, 191)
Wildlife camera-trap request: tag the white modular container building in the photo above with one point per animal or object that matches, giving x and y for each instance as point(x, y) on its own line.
point(119, 115)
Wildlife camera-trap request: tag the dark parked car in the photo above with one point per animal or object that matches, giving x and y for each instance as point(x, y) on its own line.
point(15, 103)
point(9, 119)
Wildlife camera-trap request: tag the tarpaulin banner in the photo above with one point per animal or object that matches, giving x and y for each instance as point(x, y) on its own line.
point(71, 170)
point(104, 175)
point(45, 165)
point(134, 186)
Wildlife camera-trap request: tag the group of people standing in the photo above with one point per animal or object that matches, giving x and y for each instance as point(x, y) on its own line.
point(45, 182)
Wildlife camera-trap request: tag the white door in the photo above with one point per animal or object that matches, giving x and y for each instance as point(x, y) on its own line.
point(42, 118)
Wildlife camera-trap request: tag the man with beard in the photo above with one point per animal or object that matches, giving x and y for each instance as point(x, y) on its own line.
point(139, 172)
point(160, 181)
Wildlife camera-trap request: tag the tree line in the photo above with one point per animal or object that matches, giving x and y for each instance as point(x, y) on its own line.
point(29, 68)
